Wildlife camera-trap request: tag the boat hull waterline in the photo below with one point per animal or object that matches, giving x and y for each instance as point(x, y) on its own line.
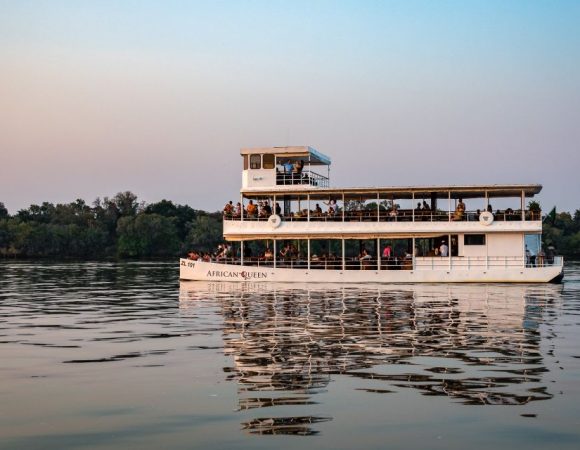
point(207, 271)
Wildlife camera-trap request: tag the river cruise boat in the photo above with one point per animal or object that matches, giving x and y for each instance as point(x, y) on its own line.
point(290, 225)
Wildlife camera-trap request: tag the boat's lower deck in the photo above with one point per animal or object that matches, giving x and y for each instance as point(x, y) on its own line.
point(444, 271)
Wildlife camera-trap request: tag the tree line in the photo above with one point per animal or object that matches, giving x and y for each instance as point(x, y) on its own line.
point(123, 227)
point(117, 227)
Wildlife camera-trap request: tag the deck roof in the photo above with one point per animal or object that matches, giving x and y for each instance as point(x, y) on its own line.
point(402, 192)
point(302, 151)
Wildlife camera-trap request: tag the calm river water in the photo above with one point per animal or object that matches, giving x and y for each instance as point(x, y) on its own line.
point(101, 355)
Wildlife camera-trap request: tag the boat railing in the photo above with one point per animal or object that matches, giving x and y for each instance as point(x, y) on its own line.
point(398, 263)
point(306, 177)
point(401, 215)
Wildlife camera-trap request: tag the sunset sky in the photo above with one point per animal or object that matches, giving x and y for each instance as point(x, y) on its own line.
point(157, 97)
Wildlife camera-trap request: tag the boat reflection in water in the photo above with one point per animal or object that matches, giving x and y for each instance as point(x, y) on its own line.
point(476, 344)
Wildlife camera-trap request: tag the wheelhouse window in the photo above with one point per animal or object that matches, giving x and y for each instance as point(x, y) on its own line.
point(269, 161)
point(255, 161)
point(474, 239)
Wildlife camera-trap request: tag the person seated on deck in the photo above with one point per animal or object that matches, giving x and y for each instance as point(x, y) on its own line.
point(267, 209)
point(331, 206)
point(509, 214)
point(193, 255)
point(278, 209)
point(206, 257)
point(285, 252)
point(393, 213)
point(459, 210)
point(489, 208)
point(364, 259)
point(318, 211)
point(268, 255)
point(229, 210)
point(252, 209)
point(426, 206)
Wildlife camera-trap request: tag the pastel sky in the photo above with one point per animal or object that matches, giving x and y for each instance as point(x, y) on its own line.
point(157, 97)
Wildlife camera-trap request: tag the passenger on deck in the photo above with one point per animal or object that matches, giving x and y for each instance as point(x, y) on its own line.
point(459, 210)
point(252, 209)
point(387, 252)
point(278, 209)
point(318, 210)
point(229, 209)
point(288, 167)
point(298, 166)
point(489, 208)
point(238, 211)
point(426, 206)
point(268, 255)
point(267, 209)
point(331, 206)
point(364, 259)
point(443, 249)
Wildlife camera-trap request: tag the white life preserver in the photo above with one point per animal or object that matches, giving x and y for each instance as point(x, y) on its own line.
point(275, 220)
point(486, 218)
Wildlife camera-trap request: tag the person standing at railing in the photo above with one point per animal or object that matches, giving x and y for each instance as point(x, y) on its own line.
point(443, 249)
point(540, 257)
point(252, 209)
point(238, 211)
point(228, 210)
point(288, 167)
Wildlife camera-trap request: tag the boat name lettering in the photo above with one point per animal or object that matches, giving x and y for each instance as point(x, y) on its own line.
point(229, 274)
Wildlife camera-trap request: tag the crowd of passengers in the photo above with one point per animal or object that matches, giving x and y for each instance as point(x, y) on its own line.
point(289, 255)
point(263, 209)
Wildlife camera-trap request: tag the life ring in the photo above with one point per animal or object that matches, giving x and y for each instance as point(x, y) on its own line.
point(486, 218)
point(275, 220)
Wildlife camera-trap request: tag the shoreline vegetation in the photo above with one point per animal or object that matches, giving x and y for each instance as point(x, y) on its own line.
point(124, 228)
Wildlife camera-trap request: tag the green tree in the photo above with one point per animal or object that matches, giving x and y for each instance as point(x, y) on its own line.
point(147, 235)
point(205, 234)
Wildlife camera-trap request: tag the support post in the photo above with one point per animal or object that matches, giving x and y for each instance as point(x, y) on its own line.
point(343, 206)
point(413, 205)
point(413, 253)
point(308, 252)
point(378, 253)
point(449, 212)
point(343, 257)
point(241, 253)
point(274, 251)
point(308, 213)
point(523, 205)
point(242, 207)
point(378, 207)
point(449, 249)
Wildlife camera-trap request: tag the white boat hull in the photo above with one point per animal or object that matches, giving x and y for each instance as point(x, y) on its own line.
point(205, 271)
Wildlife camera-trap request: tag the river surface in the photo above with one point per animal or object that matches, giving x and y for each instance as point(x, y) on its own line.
point(101, 355)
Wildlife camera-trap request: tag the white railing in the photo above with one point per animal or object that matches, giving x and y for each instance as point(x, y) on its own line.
point(417, 263)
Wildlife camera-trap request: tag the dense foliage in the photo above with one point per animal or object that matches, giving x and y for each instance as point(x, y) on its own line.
point(562, 231)
point(123, 227)
point(111, 227)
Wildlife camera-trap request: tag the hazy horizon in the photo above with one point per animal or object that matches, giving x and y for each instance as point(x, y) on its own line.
point(158, 98)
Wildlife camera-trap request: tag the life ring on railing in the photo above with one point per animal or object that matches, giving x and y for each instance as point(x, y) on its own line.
point(275, 220)
point(486, 218)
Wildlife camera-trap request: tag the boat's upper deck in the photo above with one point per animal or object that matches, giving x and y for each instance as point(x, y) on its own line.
point(284, 168)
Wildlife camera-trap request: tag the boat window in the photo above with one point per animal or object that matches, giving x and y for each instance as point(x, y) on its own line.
point(269, 161)
point(245, 162)
point(255, 161)
point(474, 239)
